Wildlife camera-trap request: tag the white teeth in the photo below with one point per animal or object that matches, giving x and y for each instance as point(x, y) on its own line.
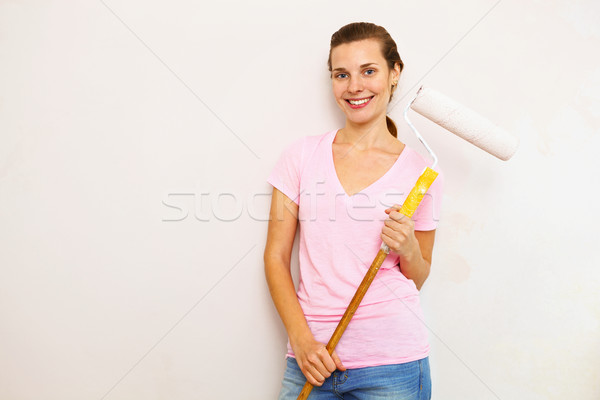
point(355, 103)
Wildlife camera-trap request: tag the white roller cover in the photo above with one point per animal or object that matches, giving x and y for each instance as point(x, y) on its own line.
point(464, 122)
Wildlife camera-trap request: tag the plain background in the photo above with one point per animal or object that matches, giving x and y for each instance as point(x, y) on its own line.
point(135, 142)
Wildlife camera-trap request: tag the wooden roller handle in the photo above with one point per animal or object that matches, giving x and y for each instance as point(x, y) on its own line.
point(408, 208)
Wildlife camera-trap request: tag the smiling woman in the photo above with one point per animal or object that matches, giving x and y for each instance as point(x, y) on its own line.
point(371, 40)
point(384, 350)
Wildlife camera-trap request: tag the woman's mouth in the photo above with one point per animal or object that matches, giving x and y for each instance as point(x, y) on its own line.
point(359, 103)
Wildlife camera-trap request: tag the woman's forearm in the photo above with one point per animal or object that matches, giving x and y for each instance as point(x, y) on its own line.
point(284, 297)
point(415, 267)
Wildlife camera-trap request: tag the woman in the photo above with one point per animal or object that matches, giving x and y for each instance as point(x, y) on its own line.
point(344, 188)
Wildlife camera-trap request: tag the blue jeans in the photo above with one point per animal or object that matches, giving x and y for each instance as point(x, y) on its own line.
point(407, 381)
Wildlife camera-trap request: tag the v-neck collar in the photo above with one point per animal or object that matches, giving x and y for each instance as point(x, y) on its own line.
point(332, 136)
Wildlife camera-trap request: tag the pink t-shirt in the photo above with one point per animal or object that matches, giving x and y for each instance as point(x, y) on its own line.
point(339, 238)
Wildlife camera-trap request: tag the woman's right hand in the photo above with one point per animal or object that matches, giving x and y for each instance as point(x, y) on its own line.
point(314, 360)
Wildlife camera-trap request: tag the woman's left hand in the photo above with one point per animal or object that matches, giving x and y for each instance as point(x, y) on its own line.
point(398, 233)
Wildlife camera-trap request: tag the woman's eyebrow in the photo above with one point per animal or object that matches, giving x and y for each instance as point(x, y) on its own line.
point(362, 66)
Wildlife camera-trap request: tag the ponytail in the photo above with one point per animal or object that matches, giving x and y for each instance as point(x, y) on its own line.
point(391, 126)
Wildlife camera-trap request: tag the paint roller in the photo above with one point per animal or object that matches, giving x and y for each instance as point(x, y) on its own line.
point(463, 122)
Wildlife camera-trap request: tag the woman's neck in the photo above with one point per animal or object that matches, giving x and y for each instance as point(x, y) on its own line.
point(364, 137)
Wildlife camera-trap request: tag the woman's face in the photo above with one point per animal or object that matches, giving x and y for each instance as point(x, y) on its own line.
point(359, 72)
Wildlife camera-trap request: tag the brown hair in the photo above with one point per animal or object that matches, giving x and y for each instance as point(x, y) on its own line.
point(365, 30)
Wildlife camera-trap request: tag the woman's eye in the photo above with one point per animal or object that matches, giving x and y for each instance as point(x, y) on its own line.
point(340, 75)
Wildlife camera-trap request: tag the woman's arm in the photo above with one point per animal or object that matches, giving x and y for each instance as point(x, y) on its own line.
point(283, 219)
point(419, 270)
point(415, 248)
point(315, 363)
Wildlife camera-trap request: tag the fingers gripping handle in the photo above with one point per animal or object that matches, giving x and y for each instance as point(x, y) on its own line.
point(415, 196)
point(408, 208)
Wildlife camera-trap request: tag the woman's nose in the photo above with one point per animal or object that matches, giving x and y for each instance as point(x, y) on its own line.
point(355, 84)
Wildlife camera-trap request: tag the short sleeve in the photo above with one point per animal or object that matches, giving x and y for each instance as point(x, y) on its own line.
point(427, 215)
point(285, 176)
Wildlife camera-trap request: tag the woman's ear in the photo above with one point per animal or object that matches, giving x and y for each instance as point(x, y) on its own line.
point(396, 71)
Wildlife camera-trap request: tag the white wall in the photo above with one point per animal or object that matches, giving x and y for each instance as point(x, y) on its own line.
point(112, 113)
